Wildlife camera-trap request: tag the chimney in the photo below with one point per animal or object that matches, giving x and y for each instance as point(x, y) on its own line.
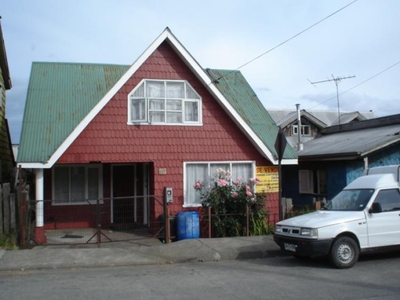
point(299, 144)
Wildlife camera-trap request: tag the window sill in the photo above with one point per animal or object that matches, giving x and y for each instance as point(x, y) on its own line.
point(164, 124)
point(191, 205)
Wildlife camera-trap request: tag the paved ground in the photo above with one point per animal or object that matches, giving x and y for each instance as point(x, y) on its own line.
point(140, 252)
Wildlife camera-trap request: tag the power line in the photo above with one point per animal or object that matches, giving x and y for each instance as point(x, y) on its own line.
point(372, 77)
point(289, 39)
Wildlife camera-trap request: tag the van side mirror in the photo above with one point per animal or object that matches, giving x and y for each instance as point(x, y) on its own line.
point(376, 208)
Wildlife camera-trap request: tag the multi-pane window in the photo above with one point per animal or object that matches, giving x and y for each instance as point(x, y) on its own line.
point(76, 184)
point(204, 171)
point(164, 102)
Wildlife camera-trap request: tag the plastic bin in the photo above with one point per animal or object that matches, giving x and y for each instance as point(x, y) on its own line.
point(188, 225)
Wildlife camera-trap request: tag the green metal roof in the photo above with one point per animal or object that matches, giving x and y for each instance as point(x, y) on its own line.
point(244, 100)
point(59, 96)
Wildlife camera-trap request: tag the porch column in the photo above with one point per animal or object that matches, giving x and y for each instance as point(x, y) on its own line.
point(40, 237)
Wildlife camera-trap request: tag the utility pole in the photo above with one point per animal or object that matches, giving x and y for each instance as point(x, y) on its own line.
point(336, 80)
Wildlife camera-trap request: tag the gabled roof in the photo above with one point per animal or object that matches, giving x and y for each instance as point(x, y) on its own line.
point(63, 99)
point(321, 118)
point(346, 118)
point(60, 96)
point(354, 140)
point(242, 97)
point(292, 117)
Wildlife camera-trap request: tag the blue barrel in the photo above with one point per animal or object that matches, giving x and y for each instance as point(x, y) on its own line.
point(188, 225)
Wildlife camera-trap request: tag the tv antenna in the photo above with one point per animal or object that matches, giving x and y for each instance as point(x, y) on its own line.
point(336, 80)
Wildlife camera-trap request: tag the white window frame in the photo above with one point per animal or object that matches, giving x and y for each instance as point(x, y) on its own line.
point(189, 185)
point(304, 128)
point(99, 167)
point(146, 120)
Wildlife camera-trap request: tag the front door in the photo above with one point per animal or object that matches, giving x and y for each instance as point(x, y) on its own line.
point(123, 193)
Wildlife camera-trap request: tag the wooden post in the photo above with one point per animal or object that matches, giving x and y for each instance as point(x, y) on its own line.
point(209, 222)
point(6, 211)
point(22, 199)
point(98, 223)
point(166, 221)
point(247, 220)
point(22, 211)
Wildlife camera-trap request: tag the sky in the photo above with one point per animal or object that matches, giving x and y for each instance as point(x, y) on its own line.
point(281, 47)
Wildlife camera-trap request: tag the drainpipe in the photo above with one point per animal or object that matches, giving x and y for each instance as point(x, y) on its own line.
point(366, 163)
point(299, 144)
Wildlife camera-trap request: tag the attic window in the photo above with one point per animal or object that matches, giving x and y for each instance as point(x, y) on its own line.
point(305, 130)
point(160, 102)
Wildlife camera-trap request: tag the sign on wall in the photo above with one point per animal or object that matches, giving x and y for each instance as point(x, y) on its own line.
point(269, 179)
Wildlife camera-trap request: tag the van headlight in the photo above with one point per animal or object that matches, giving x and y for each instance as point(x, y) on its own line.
point(278, 229)
point(309, 232)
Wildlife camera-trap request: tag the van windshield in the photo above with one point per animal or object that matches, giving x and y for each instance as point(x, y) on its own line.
point(350, 200)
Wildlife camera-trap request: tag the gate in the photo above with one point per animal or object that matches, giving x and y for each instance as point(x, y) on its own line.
point(105, 220)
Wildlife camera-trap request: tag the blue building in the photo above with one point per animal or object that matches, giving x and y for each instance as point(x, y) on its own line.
point(330, 156)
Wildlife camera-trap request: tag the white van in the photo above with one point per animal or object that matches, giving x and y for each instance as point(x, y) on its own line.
point(364, 216)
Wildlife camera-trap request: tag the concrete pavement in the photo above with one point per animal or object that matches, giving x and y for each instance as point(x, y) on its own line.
point(145, 252)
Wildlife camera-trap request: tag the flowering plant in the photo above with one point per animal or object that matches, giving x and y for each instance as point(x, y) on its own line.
point(228, 199)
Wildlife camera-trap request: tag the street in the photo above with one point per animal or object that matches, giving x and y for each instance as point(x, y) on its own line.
point(283, 277)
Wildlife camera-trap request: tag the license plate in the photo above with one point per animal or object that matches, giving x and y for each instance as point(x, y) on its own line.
point(290, 247)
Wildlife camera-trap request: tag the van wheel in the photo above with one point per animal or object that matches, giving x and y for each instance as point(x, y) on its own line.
point(344, 252)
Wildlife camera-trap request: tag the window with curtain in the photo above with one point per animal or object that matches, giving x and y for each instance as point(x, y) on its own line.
point(312, 182)
point(160, 102)
point(204, 172)
point(76, 184)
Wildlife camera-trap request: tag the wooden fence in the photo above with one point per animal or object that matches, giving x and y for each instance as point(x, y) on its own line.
point(8, 211)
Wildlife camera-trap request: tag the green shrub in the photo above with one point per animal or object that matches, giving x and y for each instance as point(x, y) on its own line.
point(228, 200)
point(7, 242)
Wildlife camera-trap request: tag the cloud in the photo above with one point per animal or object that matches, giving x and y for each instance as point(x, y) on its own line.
point(359, 40)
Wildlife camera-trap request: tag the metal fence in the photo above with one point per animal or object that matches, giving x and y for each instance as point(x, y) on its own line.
point(128, 219)
point(99, 221)
point(238, 224)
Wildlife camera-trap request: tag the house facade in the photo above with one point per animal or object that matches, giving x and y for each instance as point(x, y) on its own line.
point(7, 161)
point(96, 132)
point(339, 153)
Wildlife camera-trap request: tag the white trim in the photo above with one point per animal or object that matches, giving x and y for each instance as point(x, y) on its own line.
point(289, 162)
point(39, 186)
point(166, 124)
point(147, 99)
point(166, 35)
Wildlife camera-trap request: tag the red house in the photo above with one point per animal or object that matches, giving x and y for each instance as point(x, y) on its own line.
point(122, 134)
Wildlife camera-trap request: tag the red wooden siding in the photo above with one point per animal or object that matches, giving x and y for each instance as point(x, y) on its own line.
point(109, 139)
